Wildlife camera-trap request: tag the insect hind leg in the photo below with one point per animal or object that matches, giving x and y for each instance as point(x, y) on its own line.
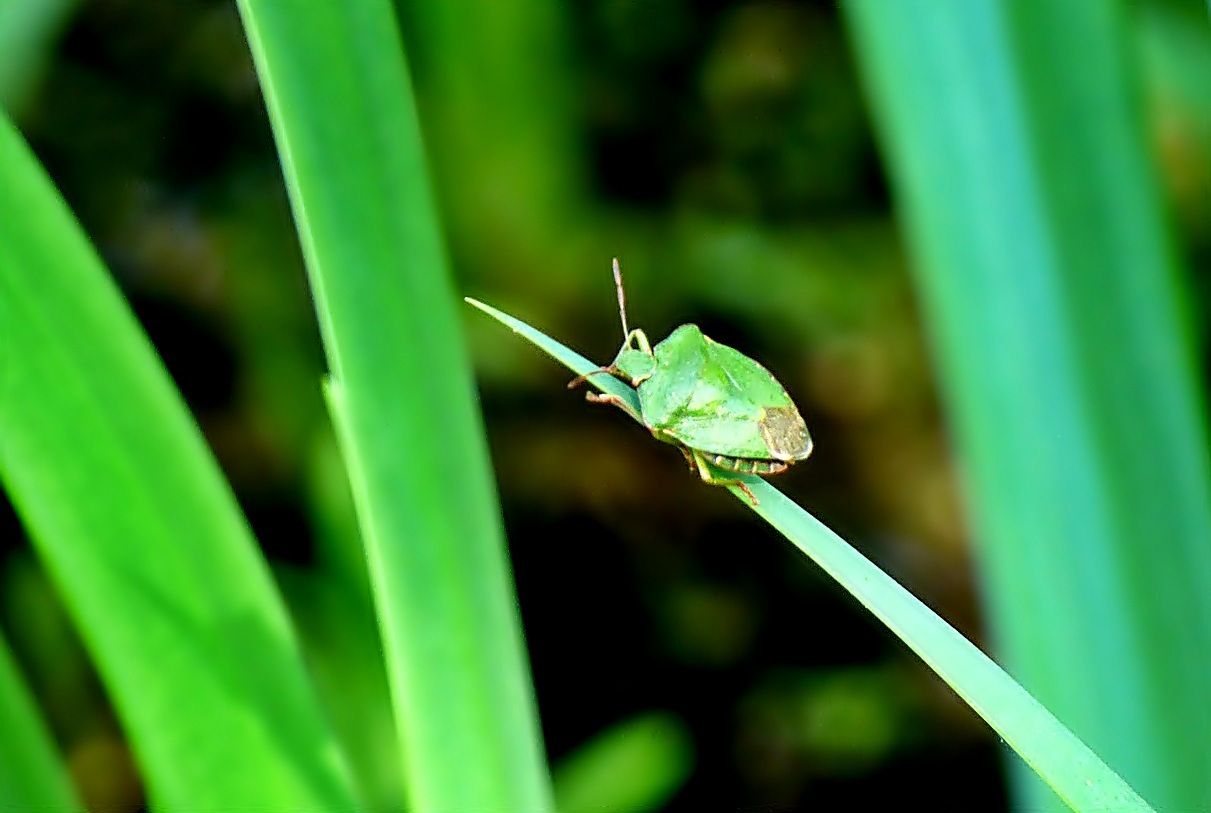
point(708, 476)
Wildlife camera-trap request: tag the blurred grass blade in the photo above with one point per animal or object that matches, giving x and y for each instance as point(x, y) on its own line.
point(632, 767)
point(1016, 140)
point(1058, 756)
point(403, 402)
point(140, 532)
point(336, 617)
point(32, 776)
point(27, 32)
point(499, 112)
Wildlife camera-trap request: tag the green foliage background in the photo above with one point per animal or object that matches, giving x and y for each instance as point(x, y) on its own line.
point(727, 153)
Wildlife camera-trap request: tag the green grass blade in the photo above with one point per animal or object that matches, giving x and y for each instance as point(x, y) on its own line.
point(403, 402)
point(501, 118)
point(32, 776)
point(1017, 144)
point(139, 530)
point(1054, 752)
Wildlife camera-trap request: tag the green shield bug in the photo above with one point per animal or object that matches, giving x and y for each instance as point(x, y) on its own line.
point(724, 411)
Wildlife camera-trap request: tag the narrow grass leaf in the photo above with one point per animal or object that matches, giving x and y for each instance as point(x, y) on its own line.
point(402, 400)
point(140, 532)
point(1055, 753)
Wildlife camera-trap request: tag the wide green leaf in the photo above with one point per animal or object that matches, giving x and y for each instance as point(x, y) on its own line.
point(142, 535)
point(403, 402)
point(1016, 139)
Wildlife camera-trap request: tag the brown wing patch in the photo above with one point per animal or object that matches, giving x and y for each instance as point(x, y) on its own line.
point(784, 433)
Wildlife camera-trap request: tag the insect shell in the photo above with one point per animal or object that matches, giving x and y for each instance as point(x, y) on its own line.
point(724, 411)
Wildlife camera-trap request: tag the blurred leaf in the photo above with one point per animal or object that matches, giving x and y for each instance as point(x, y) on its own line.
point(498, 110)
point(32, 777)
point(345, 658)
point(27, 32)
point(634, 766)
point(403, 402)
point(1046, 270)
point(847, 719)
point(1061, 759)
point(1174, 44)
point(136, 525)
point(335, 612)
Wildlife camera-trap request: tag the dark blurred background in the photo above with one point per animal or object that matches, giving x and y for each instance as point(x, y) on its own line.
point(723, 151)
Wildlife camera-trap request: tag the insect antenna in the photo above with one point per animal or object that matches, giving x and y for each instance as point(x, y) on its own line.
point(622, 302)
point(626, 331)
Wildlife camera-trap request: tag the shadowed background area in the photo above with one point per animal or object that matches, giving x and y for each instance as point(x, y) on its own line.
point(724, 151)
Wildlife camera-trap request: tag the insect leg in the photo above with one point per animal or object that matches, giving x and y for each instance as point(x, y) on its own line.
point(708, 476)
point(641, 340)
point(602, 398)
point(580, 379)
point(748, 465)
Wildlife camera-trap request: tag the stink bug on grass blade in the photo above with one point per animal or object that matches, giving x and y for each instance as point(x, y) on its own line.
point(722, 409)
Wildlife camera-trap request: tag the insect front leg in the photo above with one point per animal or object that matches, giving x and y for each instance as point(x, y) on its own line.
point(708, 476)
point(602, 398)
point(580, 379)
